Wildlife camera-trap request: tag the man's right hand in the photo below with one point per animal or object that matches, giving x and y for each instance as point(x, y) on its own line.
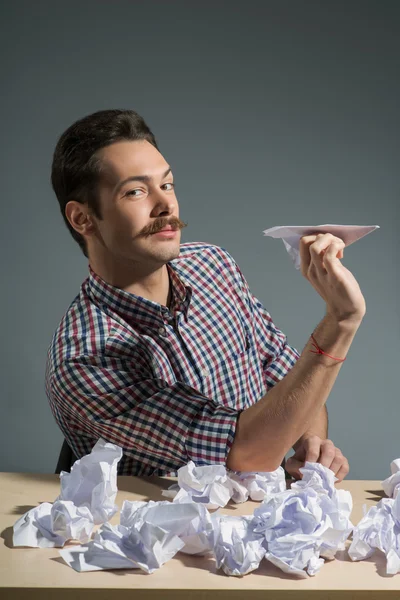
point(320, 264)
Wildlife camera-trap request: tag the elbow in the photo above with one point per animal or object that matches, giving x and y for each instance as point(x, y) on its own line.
point(241, 459)
point(250, 452)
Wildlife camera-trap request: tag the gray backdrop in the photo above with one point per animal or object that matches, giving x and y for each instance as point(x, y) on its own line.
point(270, 113)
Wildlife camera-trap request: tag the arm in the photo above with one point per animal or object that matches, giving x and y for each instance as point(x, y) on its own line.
point(287, 411)
point(159, 426)
point(290, 408)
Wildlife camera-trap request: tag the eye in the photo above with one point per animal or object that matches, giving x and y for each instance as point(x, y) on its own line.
point(131, 192)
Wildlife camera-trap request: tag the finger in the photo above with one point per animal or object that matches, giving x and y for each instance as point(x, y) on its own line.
point(331, 259)
point(311, 237)
point(305, 243)
point(293, 466)
point(305, 257)
point(341, 474)
point(328, 245)
point(327, 454)
point(337, 462)
point(333, 238)
point(332, 254)
point(339, 255)
point(313, 449)
point(324, 240)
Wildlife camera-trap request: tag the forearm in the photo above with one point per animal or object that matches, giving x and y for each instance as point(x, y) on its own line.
point(317, 427)
point(268, 429)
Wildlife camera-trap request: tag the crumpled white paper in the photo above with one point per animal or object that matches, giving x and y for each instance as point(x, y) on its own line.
point(92, 481)
point(191, 522)
point(379, 528)
point(87, 498)
point(214, 486)
point(205, 484)
point(71, 522)
point(305, 523)
point(295, 529)
point(291, 235)
point(149, 534)
point(52, 525)
point(238, 548)
point(34, 529)
point(147, 547)
point(338, 507)
point(258, 485)
point(391, 485)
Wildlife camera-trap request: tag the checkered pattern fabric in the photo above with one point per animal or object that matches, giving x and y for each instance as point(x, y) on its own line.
point(167, 385)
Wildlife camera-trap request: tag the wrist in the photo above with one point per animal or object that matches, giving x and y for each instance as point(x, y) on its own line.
point(347, 324)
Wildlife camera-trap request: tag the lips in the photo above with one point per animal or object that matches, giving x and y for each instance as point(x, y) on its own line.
point(169, 228)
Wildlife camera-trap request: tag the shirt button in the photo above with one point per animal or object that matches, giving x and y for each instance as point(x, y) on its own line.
point(205, 373)
point(161, 331)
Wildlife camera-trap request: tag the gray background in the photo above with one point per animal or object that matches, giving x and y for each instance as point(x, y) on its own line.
point(270, 113)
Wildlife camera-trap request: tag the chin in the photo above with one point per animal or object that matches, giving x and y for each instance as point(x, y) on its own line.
point(168, 252)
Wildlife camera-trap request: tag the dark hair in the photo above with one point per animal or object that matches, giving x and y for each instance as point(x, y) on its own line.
point(76, 166)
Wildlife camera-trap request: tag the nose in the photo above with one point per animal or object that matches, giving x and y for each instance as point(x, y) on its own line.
point(164, 204)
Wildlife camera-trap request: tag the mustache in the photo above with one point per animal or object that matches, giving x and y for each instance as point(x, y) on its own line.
point(174, 222)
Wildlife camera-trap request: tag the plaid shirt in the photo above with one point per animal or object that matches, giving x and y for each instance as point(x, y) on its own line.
point(167, 385)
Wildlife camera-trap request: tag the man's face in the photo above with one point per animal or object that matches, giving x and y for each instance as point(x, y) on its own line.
point(133, 210)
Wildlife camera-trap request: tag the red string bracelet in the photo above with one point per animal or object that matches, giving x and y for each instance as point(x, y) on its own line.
point(319, 351)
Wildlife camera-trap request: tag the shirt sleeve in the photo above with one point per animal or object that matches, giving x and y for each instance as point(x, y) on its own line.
point(277, 356)
point(160, 426)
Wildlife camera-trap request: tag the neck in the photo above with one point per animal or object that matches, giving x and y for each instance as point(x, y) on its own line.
point(145, 281)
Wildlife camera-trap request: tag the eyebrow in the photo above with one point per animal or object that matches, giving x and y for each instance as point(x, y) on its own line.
point(144, 178)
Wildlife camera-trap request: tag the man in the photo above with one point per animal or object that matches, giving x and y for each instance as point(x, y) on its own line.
point(165, 351)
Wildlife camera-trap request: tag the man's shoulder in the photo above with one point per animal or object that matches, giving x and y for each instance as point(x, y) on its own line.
point(83, 330)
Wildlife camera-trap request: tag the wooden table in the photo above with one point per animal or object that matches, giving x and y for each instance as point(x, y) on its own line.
point(36, 573)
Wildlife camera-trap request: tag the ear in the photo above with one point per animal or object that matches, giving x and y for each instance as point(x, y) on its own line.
point(79, 217)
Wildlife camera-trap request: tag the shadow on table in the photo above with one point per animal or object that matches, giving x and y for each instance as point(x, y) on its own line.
point(378, 495)
point(204, 563)
point(7, 536)
point(7, 533)
point(21, 509)
point(266, 568)
point(118, 572)
point(378, 558)
point(207, 563)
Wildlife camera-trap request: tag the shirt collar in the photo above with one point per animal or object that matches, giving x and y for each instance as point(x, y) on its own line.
point(137, 310)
